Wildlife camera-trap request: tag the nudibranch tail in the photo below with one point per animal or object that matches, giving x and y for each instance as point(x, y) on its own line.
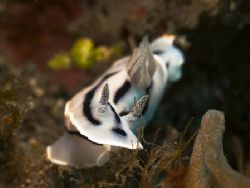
point(169, 37)
point(172, 57)
point(78, 152)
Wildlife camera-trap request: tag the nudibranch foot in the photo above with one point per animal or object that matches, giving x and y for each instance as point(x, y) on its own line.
point(76, 151)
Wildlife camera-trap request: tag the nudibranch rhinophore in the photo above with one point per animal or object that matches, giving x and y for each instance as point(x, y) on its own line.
point(105, 115)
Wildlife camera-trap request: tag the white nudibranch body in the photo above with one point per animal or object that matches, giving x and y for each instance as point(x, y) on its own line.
point(105, 115)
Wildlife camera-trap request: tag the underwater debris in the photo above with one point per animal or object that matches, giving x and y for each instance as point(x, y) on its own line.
point(156, 166)
point(208, 166)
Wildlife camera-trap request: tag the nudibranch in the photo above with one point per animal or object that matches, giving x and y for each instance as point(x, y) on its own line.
point(105, 115)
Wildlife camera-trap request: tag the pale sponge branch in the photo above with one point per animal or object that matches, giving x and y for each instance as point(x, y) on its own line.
point(208, 166)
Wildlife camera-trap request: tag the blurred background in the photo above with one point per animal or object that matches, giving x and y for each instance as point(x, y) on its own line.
point(51, 49)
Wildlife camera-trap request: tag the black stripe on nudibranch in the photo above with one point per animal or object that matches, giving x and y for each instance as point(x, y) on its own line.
point(117, 118)
point(119, 131)
point(76, 133)
point(123, 113)
point(88, 99)
point(107, 76)
point(86, 107)
point(158, 52)
point(167, 64)
point(147, 91)
point(122, 91)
